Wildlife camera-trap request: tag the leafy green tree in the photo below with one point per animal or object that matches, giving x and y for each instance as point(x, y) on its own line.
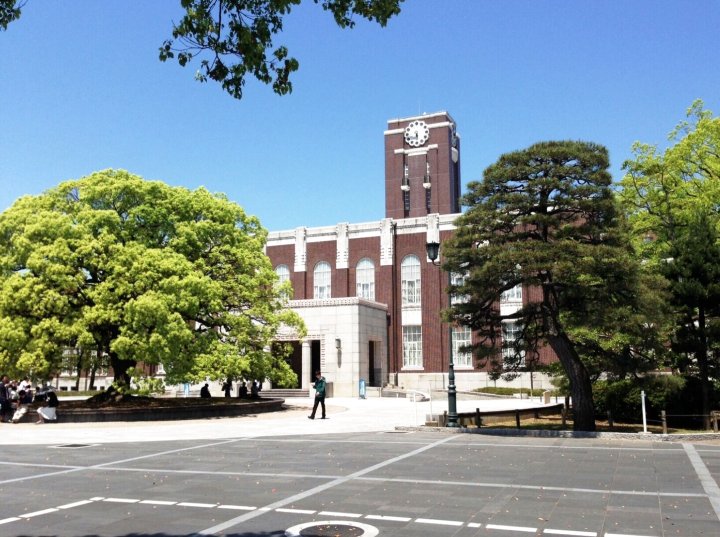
point(546, 218)
point(673, 202)
point(140, 272)
point(9, 11)
point(234, 38)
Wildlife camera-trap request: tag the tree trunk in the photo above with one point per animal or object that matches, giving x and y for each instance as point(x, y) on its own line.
point(78, 369)
point(580, 384)
point(120, 368)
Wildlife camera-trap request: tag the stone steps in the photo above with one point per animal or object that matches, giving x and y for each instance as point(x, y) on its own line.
point(285, 393)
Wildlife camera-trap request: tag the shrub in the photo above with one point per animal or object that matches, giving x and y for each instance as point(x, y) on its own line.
point(679, 396)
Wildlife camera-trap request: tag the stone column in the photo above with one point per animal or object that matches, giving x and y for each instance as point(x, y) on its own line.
point(306, 364)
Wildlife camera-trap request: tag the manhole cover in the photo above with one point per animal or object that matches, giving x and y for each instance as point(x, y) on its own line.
point(73, 446)
point(332, 530)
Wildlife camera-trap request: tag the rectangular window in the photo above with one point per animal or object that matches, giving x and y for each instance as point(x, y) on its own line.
point(412, 346)
point(511, 332)
point(461, 337)
point(458, 279)
point(512, 295)
point(366, 290)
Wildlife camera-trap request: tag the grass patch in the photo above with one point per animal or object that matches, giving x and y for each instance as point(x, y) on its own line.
point(512, 391)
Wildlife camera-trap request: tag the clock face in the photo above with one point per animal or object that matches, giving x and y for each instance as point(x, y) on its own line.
point(417, 133)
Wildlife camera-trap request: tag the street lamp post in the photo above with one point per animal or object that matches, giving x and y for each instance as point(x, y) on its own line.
point(433, 251)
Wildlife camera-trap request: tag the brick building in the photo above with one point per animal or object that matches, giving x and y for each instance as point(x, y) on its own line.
point(369, 295)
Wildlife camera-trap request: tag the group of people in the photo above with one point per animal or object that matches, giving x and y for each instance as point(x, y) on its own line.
point(17, 396)
point(243, 392)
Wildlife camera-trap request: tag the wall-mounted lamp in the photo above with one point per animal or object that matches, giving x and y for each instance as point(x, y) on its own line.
point(338, 345)
point(433, 250)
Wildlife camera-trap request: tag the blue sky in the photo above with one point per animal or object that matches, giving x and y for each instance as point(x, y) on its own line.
point(81, 89)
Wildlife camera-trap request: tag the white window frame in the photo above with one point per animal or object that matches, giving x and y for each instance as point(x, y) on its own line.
point(513, 295)
point(457, 278)
point(510, 332)
point(283, 273)
point(365, 279)
point(461, 337)
point(410, 281)
point(322, 281)
point(412, 347)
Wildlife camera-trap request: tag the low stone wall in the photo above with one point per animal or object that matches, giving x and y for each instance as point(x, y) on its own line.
point(201, 411)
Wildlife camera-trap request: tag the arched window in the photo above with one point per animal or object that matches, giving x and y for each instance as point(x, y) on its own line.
point(365, 279)
point(321, 280)
point(283, 273)
point(410, 281)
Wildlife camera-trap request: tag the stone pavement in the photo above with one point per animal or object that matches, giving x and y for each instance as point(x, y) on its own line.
point(346, 415)
point(272, 475)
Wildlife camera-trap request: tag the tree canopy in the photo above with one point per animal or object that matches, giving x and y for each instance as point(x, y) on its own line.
point(672, 199)
point(141, 272)
point(545, 218)
point(234, 38)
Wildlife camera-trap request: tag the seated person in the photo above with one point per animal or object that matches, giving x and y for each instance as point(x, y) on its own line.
point(205, 392)
point(49, 411)
point(22, 406)
point(242, 390)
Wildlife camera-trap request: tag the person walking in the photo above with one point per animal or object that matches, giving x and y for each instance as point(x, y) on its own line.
point(319, 386)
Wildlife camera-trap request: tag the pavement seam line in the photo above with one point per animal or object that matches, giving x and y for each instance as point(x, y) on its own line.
point(106, 464)
point(535, 487)
point(320, 488)
point(706, 479)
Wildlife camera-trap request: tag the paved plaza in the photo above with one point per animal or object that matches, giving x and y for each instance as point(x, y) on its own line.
point(351, 475)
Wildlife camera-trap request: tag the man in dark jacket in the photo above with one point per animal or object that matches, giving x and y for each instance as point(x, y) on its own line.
point(319, 386)
point(5, 405)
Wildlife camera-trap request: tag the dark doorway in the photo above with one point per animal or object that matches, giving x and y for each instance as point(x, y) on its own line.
point(374, 372)
point(315, 360)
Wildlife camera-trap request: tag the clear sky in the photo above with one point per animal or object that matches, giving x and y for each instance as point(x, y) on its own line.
point(81, 89)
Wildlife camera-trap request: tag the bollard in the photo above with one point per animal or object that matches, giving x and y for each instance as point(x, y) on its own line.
point(478, 418)
point(517, 418)
point(663, 417)
point(610, 418)
point(563, 413)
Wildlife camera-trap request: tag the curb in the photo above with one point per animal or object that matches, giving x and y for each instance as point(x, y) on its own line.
point(683, 437)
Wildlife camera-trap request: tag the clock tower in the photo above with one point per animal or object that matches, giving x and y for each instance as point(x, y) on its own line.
point(422, 166)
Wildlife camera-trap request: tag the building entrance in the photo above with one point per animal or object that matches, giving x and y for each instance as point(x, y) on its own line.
point(315, 359)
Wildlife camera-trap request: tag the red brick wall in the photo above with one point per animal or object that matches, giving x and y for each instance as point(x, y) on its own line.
point(444, 173)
